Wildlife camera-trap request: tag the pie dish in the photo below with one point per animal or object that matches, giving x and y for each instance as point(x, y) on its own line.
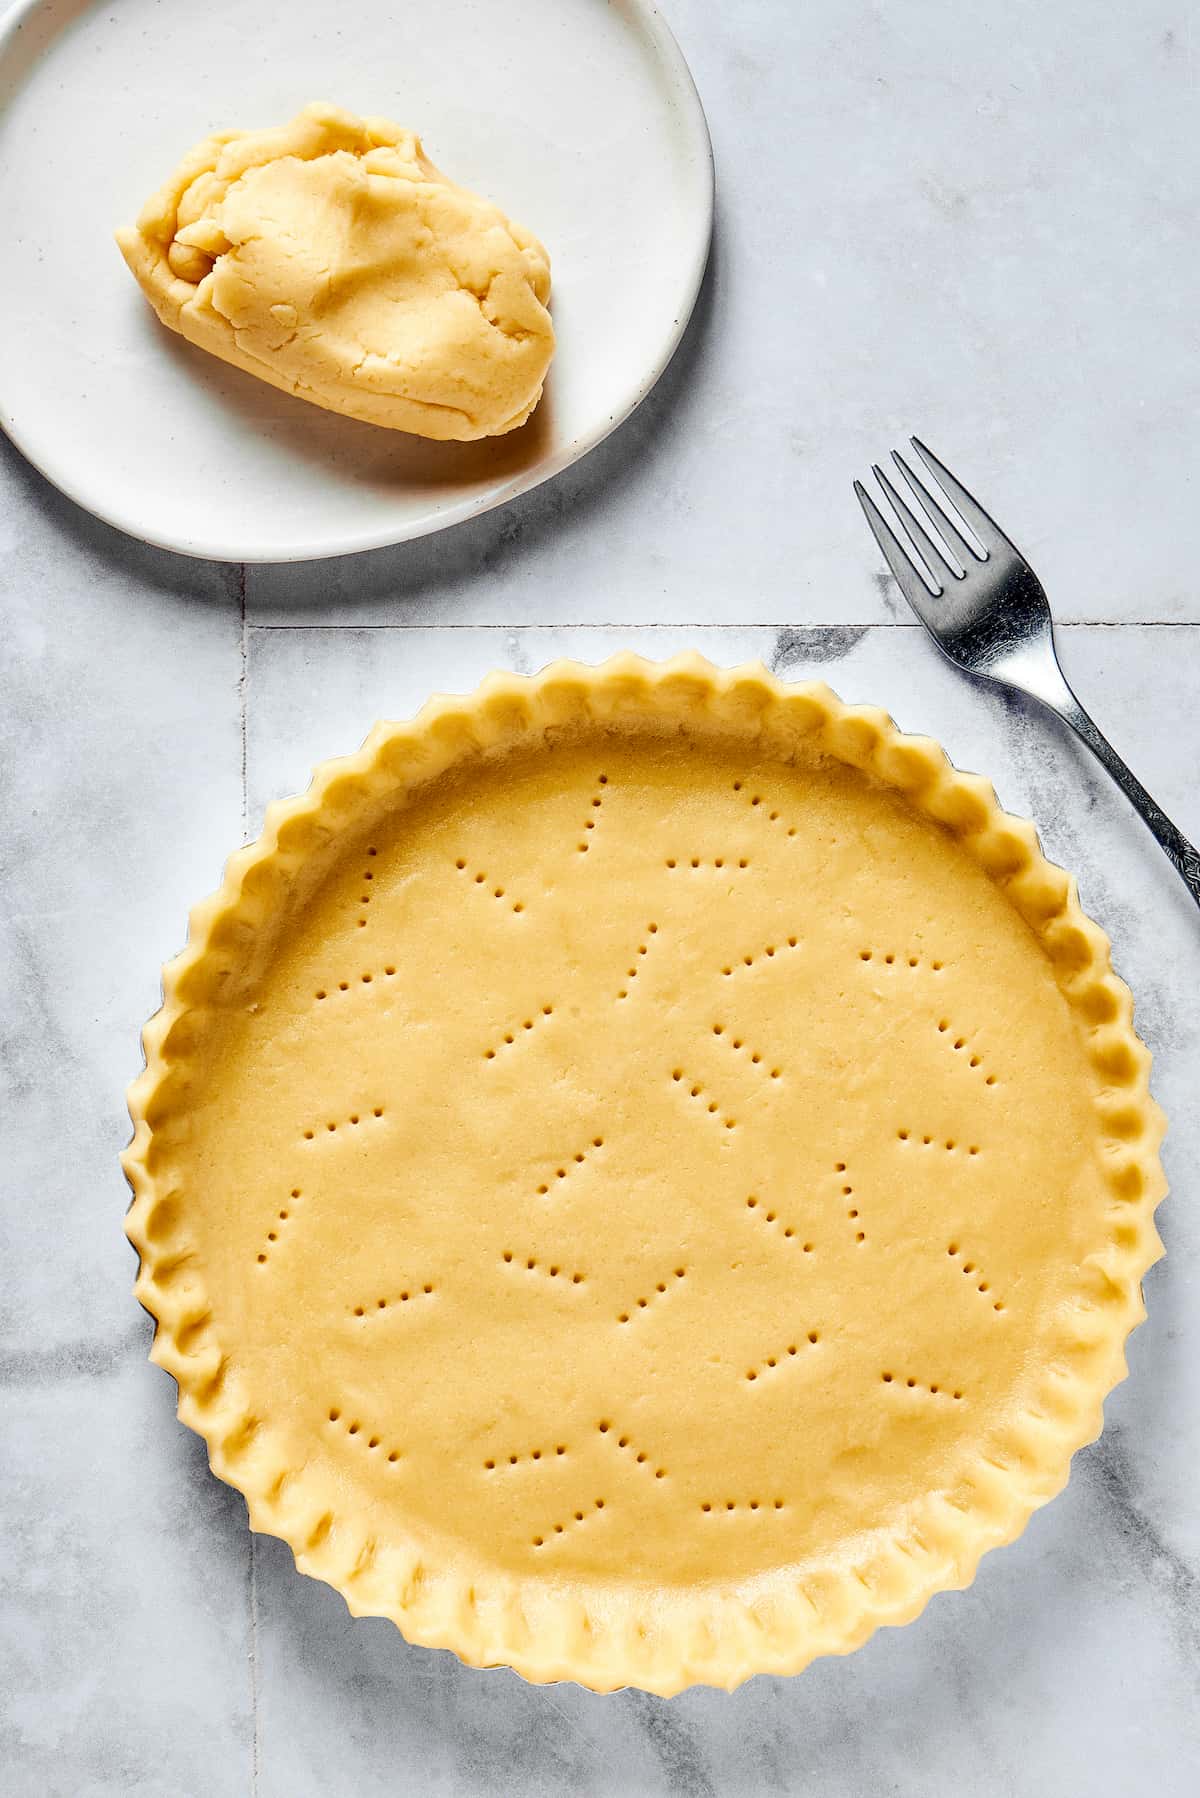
point(643, 1174)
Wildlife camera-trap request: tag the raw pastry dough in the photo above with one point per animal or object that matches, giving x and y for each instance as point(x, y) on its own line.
point(643, 1175)
point(330, 258)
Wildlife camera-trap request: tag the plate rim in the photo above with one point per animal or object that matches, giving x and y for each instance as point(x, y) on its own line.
point(643, 15)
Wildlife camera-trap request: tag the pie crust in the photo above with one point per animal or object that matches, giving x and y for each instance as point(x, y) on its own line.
point(643, 1174)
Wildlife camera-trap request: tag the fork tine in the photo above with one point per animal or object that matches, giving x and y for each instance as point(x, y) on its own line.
point(984, 526)
point(941, 522)
point(911, 583)
point(935, 557)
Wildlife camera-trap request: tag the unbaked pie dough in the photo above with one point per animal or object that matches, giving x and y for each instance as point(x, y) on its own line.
point(330, 258)
point(643, 1175)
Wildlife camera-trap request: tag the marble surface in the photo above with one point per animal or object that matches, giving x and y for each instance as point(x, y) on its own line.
point(976, 222)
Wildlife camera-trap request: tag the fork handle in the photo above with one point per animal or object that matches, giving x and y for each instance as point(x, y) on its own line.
point(1184, 855)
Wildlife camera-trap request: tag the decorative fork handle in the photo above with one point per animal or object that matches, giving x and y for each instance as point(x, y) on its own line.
point(1183, 854)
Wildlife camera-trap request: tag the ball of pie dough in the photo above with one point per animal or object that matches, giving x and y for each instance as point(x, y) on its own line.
point(332, 259)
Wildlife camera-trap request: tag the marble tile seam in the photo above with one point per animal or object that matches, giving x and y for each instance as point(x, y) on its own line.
point(252, 1556)
point(252, 1606)
point(686, 624)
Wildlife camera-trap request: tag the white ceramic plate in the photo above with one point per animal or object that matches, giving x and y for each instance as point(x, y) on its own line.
point(578, 117)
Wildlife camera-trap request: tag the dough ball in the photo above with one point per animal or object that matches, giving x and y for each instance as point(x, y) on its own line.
point(330, 258)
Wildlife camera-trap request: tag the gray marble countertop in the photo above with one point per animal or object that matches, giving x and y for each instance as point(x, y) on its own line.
point(979, 222)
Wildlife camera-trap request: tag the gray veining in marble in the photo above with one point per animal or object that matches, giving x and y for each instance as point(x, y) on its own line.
point(976, 221)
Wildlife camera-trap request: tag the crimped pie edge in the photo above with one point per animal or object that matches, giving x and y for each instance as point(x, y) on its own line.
point(713, 1636)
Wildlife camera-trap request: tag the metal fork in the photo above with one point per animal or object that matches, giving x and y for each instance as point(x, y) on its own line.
point(990, 616)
